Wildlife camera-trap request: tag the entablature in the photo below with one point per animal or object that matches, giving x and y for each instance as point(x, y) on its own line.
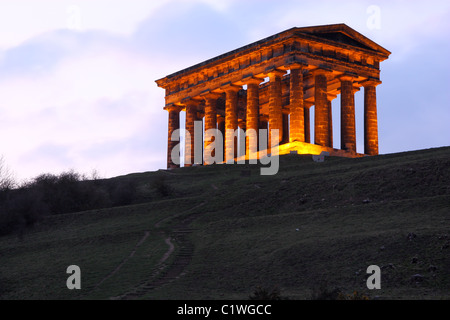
point(312, 47)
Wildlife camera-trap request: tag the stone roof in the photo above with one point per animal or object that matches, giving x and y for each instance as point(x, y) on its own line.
point(339, 35)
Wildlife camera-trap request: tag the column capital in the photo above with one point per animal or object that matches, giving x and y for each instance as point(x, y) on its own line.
point(296, 65)
point(293, 61)
point(229, 87)
point(347, 77)
point(273, 72)
point(252, 80)
point(331, 96)
point(208, 94)
point(173, 107)
point(370, 82)
point(190, 101)
point(320, 71)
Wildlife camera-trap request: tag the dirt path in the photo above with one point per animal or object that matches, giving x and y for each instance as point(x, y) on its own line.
point(146, 234)
point(169, 252)
point(164, 273)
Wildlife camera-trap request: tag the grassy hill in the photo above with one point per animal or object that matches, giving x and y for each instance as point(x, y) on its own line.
point(219, 232)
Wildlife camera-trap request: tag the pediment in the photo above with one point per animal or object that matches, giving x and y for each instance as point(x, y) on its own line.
point(342, 38)
point(344, 35)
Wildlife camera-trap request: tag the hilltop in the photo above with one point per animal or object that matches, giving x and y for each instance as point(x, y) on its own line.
point(220, 232)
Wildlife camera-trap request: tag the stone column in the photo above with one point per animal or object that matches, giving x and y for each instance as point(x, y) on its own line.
point(231, 121)
point(174, 124)
point(321, 137)
point(297, 127)
point(210, 123)
point(252, 113)
point(348, 128)
point(221, 128)
point(330, 121)
point(242, 123)
point(285, 138)
point(263, 124)
point(191, 117)
point(199, 139)
point(370, 118)
point(307, 106)
point(275, 104)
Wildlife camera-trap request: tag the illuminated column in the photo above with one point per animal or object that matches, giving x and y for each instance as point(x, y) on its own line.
point(275, 104)
point(243, 126)
point(348, 128)
point(297, 125)
point(330, 120)
point(263, 124)
point(370, 118)
point(321, 109)
point(191, 117)
point(221, 128)
point(307, 106)
point(199, 139)
point(174, 124)
point(231, 121)
point(285, 138)
point(210, 122)
point(252, 113)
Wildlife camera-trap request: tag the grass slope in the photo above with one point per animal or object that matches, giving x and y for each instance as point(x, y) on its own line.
point(224, 230)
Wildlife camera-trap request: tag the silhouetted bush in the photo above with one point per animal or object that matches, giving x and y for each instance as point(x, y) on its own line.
point(67, 192)
point(123, 192)
point(261, 293)
point(161, 186)
point(324, 293)
point(21, 208)
point(7, 181)
point(49, 194)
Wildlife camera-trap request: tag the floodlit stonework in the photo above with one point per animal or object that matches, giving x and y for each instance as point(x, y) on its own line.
point(272, 84)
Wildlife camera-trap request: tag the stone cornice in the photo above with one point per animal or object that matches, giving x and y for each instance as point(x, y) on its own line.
point(370, 82)
point(290, 38)
point(298, 48)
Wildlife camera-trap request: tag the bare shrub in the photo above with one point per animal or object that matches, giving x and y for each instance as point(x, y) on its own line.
point(261, 293)
point(7, 181)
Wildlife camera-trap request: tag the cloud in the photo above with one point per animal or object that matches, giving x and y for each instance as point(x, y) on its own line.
point(99, 93)
point(87, 99)
point(21, 20)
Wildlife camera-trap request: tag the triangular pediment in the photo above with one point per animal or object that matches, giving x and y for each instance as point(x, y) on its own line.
point(343, 34)
point(342, 38)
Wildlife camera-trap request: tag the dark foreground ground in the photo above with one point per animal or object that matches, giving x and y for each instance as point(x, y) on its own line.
point(222, 232)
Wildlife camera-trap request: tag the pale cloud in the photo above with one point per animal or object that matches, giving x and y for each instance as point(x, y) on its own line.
point(402, 24)
point(220, 6)
point(102, 94)
point(87, 99)
point(21, 20)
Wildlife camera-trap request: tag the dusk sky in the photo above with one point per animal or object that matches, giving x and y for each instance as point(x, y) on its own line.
point(77, 78)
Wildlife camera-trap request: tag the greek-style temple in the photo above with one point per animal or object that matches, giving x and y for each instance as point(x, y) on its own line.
point(273, 84)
